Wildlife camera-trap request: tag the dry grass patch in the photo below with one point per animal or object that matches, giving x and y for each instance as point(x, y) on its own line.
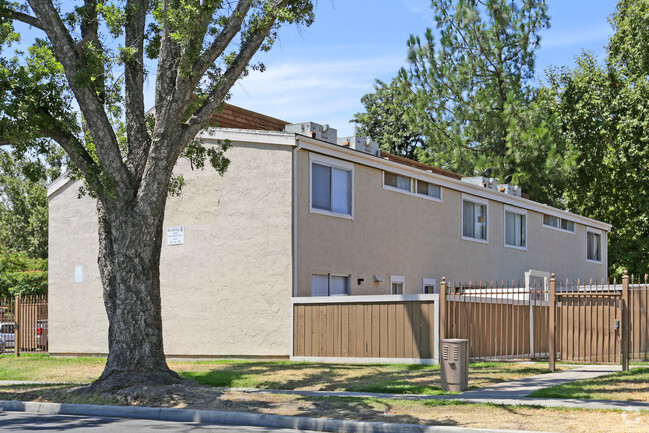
point(446, 413)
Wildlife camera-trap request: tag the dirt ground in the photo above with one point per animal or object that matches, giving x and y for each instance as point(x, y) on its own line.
point(377, 410)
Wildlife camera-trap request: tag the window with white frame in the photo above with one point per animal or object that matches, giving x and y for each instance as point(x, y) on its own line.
point(429, 189)
point(593, 246)
point(397, 284)
point(430, 285)
point(331, 187)
point(515, 228)
point(329, 285)
point(558, 223)
point(397, 181)
point(474, 219)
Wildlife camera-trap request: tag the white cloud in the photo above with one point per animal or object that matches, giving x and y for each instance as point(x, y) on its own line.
point(320, 91)
point(579, 36)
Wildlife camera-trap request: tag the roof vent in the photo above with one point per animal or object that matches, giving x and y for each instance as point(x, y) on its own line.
point(486, 182)
point(362, 144)
point(314, 130)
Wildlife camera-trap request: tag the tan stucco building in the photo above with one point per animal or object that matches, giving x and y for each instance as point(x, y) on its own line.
point(301, 216)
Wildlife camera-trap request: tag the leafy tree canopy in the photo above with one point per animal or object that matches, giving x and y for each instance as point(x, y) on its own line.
point(81, 83)
point(21, 275)
point(464, 102)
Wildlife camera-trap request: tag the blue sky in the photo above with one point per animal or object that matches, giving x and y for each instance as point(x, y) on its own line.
point(320, 73)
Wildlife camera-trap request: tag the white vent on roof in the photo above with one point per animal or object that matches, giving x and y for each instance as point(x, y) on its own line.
point(363, 144)
point(314, 130)
point(486, 182)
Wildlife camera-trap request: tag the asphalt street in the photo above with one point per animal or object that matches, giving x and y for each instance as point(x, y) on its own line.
point(25, 421)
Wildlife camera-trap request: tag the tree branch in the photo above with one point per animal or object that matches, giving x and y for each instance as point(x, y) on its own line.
point(90, 103)
point(22, 17)
point(221, 42)
point(138, 137)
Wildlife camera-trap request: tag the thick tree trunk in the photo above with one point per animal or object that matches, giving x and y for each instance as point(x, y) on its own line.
point(129, 258)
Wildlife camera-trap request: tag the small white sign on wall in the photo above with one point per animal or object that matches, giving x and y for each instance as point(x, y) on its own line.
point(78, 274)
point(175, 235)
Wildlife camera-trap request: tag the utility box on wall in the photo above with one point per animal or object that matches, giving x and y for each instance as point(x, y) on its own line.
point(454, 366)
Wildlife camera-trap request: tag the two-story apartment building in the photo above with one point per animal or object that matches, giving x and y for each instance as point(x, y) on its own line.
point(298, 214)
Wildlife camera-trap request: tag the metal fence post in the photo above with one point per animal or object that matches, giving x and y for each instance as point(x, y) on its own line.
point(443, 312)
point(625, 321)
point(553, 323)
point(17, 326)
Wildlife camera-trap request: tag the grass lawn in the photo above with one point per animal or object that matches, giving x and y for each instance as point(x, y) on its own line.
point(394, 378)
point(627, 385)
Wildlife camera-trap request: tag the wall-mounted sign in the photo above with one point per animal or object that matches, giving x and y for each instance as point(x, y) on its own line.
point(175, 235)
point(78, 274)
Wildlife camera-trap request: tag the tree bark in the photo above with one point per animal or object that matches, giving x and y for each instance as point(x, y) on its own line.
point(130, 240)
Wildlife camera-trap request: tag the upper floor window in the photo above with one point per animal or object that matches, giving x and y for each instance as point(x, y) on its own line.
point(558, 223)
point(400, 183)
point(430, 285)
point(515, 228)
point(397, 181)
point(331, 186)
point(474, 219)
point(593, 246)
point(429, 189)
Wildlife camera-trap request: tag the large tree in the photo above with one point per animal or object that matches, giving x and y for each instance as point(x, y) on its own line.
point(603, 108)
point(96, 57)
point(466, 96)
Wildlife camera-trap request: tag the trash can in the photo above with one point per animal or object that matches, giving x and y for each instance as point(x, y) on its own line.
point(454, 365)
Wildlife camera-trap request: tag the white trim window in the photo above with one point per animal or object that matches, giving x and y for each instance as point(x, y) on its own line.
point(554, 222)
point(429, 286)
point(397, 284)
point(474, 219)
point(429, 190)
point(331, 187)
point(515, 228)
point(409, 185)
point(593, 246)
point(330, 285)
point(397, 181)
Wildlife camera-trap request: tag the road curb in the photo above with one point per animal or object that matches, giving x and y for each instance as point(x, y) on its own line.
point(234, 418)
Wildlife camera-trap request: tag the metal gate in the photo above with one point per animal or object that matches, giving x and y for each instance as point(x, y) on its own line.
point(589, 323)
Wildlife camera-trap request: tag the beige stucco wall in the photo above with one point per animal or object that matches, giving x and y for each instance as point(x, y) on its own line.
point(406, 235)
point(225, 291)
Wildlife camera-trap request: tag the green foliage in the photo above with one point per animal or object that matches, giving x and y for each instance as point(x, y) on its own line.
point(604, 122)
point(23, 203)
point(22, 275)
point(464, 103)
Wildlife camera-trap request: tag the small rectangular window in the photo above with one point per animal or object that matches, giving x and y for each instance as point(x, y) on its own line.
point(567, 225)
point(515, 229)
point(396, 181)
point(430, 286)
point(594, 246)
point(429, 189)
point(559, 223)
point(329, 285)
point(474, 220)
point(397, 284)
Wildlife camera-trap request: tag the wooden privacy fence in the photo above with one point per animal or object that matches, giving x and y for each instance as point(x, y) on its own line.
point(391, 328)
point(24, 324)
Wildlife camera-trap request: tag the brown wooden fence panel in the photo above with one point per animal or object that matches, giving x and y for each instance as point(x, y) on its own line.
point(348, 329)
point(638, 319)
point(24, 323)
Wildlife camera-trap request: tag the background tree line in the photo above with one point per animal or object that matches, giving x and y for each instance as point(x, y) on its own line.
point(466, 101)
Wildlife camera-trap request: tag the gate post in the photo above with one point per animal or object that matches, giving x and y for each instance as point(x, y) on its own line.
point(443, 312)
point(553, 323)
point(17, 326)
point(624, 306)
